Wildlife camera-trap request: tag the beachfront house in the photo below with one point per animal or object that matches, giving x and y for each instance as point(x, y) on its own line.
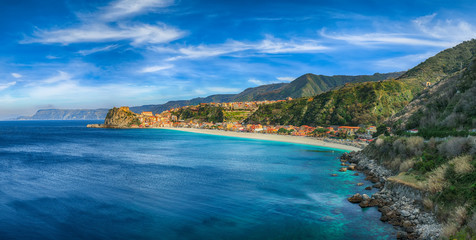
point(348, 130)
point(371, 130)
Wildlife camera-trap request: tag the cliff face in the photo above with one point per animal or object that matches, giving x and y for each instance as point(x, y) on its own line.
point(121, 118)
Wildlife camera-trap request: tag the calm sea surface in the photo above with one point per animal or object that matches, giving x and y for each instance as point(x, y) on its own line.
point(61, 180)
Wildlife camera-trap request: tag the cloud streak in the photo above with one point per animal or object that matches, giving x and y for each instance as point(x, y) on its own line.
point(278, 80)
point(108, 25)
point(270, 45)
point(136, 33)
point(16, 75)
point(125, 8)
point(403, 62)
point(157, 68)
point(423, 31)
point(98, 49)
point(6, 85)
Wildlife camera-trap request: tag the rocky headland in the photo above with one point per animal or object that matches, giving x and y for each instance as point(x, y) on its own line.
point(121, 117)
point(400, 205)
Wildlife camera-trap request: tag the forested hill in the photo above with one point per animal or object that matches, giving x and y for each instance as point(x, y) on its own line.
point(354, 104)
point(448, 105)
point(309, 85)
point(369, 102)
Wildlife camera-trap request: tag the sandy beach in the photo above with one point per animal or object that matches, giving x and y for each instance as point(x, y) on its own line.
point(270, 137)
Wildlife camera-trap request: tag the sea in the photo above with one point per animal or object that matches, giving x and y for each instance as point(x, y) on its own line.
point(61, 180)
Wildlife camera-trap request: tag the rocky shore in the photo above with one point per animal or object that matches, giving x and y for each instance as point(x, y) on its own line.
point(400, 205)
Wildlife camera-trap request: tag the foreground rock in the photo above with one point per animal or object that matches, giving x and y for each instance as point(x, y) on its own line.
point(400, 205)
point(357, 198)
point(95, 126)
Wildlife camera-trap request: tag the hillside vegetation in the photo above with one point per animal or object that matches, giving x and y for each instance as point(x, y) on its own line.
point(369, 102)
point(201, 113)
point(450, 105)
point(310, 84)
point(353, 104)
point(443, 168)
point(441, 162)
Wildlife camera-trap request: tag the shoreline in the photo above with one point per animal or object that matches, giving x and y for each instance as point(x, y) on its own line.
point(269, 137)
point(400, 205)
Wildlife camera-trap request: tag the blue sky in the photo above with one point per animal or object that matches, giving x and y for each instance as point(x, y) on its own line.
point(94, 54)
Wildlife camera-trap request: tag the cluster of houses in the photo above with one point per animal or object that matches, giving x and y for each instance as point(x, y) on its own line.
point(251, 106)
point(168, 119)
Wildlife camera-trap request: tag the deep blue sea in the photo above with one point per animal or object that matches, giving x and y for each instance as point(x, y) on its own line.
point(61, 180)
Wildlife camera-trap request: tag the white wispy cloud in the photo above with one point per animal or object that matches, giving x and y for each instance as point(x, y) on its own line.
point(199, 91)
point(125, 8)
point(59, 77)
point(98, 49)
point(203, 51)
point(370, 39)
point(269, 45)
point(286, 79)
point(136, 33)
point(423, 31)
point(278, 80)
point(274, 45)
point(453, 31)
point(157, 68)
point(403, 62)
point(51, 57)
point(256, 81)
point(108, 25)
point(6, 85)
point(16, 75)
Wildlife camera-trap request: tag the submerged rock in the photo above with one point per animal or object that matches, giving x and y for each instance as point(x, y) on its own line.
point(356, 198)
point(352, 167)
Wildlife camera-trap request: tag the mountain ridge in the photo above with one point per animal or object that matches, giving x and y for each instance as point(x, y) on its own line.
point(313, 84)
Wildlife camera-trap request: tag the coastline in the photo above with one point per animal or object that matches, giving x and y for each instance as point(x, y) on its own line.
point(400, 205)
point(269, 137)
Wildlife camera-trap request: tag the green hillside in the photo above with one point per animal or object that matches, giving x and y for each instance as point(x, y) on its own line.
point(354, 104)
point(201, 113)
point(368, 102)
point(309, 85)
point(447, 106)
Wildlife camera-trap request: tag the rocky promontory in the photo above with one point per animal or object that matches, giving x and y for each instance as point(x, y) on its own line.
point(400, 205)
point(121, 117)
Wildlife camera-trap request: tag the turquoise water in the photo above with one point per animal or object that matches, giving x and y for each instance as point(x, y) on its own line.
point(61, 180)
